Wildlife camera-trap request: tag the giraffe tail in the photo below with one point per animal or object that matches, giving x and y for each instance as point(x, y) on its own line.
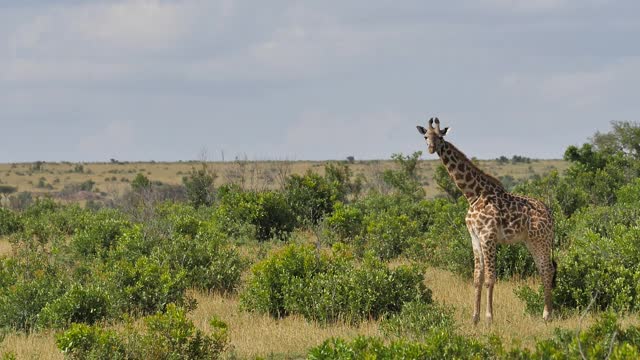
point(555, 273)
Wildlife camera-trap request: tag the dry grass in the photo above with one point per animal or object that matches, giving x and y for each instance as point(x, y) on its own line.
point(510, 322)
point(113, 178)
point(35, 346)
point(254, 335)
point(5, 247)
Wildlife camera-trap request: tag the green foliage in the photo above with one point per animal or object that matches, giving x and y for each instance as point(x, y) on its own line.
point(29, 284)
point(345, 222)
point(406, 180)
point(439, 346)
point(207, 260)
point(146, 285)
point(199, 185)
point(419, 320)
point(140, 183)
point(99, 233)
point(445, 183)
point(387, 234)
point(604, 339)
point(169, 335)
point(342, 177)
point(446, 243)
point(79, 304)
point(602, 262)
point(328, 287)
point(82, 341)
point(310, 197)
point(9, 222)
point(534, 301)
point(263, 215)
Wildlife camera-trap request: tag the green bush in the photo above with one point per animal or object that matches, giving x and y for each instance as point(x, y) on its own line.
point(79, 304)
point(418, 320)
point(602, 263)
point(328, 287)
point(208, 261)
point(145, 286)
point(310, 197)
point(199, 185)
point(100, 233)
point(603, 340)
point(82, 341)
point(446, 243)
point(30, 284)
point(405, 181)
point(261, 215)
point(169, 335)
point(345, 223)
point(438, 346)
point(9, 222)
point(388, 234)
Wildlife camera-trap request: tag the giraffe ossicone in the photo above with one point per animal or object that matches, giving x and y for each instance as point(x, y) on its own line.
point(496, 216)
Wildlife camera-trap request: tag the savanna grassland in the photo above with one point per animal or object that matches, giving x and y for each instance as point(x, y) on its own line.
point(320, 260)
point(112, 178)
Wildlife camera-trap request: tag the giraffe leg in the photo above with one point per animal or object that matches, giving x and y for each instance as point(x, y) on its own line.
point(478, 279)
point(546, 268)
point(489, 254)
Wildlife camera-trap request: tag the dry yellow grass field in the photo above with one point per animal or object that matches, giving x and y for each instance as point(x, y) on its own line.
point(253, 335)
point(113, 178)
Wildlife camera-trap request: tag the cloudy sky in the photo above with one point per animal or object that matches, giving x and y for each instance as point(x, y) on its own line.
point(279, 79)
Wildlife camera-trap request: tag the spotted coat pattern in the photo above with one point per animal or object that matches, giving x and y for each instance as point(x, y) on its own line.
point(496, 216)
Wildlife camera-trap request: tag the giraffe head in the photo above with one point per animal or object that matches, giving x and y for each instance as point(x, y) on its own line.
point(433, 135)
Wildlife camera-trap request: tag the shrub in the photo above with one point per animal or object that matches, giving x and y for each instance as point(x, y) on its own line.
point(140, 183)
point(208, 261)
point(199, 185)
point(262, 215)
point(79, 304)
point(418, 320)
point(345, 223)
point(100, 233)
point(32, 283)
point(145, 286)
point(9, 222)
point(446, 243)
point(438, 346)
point(169, 335)
point(310, 197)
point(602, 340)
point(328, 287)
point(387, 234)
point(82, 341)
point(405, 181)
point(601, 263)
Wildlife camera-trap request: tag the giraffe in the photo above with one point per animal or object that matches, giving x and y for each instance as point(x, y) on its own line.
point(496, 216)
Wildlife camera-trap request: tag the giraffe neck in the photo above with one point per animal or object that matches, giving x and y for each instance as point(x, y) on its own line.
point(472, 181)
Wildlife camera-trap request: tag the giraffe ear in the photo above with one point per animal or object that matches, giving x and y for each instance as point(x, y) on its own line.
point(421, 130)
point(444, 132)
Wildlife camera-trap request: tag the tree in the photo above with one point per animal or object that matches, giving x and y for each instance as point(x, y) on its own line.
point(140, 182)
point(445, 183)
point(199, 186)
point(406, 180)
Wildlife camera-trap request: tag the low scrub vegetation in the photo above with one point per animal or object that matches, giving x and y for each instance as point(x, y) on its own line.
point(112, 279)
